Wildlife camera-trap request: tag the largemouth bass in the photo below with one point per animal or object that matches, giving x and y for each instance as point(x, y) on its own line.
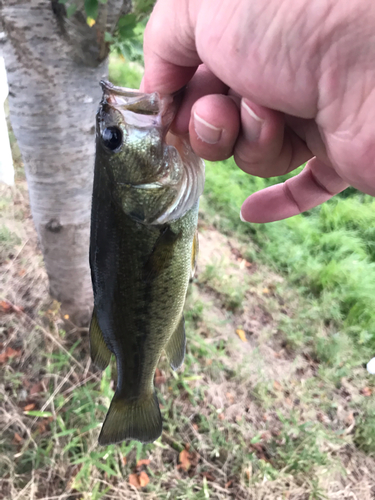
point(143, 248)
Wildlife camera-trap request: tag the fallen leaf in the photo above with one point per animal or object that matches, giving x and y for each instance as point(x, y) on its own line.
point(366, 391)
point(17, 438)
point(230, 397)
point(29, 407)
point(134, 481)
point(90, 21)
point(42, 427)
point(9, 353)
point(5, 306)
point(229, 483)
point(36, 389)
point(277, 386)
point(144, 461)
point(265, 291)
point(184, 459)
point(143, 479)
point(208, 476)
point(124, 460)
point(241, 334)
point(12, 353)
point(266, 436)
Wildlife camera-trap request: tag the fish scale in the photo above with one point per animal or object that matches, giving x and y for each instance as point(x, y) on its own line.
point(140, 267)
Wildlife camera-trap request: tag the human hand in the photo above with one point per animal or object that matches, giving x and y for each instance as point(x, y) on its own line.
point(275, 84)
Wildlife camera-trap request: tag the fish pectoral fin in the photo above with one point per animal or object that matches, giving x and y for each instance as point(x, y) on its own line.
point(161, 254)
point(194, 253)
point(139, 419)
point(100, 354)
point(175, 349)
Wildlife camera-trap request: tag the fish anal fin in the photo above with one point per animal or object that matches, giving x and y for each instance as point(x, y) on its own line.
point(175, 348)
point(161, 254)
point(194, 253)
point(140, 420)
point(100, 354)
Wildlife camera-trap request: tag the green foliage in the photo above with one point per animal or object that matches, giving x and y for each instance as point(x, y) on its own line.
point(7, 240)
point(127, 40)
point(91, 8)
point(328, 252)
point(70, 6)
point(120, 71)
point(365, 429)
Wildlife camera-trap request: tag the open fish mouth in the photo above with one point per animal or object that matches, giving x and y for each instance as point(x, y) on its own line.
point(125, 100)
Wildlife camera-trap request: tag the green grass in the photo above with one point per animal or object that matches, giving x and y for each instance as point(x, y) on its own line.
point(328, 253)
point(8, 240)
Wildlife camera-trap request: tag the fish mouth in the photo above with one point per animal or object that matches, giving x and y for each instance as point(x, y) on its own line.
point(162, 107)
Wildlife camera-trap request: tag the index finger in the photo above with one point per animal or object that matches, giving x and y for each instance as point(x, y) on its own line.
point(171, 58)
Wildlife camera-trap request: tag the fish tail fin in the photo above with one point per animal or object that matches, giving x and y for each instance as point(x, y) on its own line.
point(140, 420)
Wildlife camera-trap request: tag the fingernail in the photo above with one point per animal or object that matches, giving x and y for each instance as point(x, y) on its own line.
point(205, 131)
point(253, 127)
point(241, 217)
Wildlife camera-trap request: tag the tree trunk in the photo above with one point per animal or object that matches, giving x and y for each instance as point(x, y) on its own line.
point(54, 65)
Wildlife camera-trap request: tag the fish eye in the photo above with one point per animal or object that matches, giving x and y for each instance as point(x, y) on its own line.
point(112, 138)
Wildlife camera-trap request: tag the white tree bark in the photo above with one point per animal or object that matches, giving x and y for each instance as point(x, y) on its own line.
point(54, 65)
point(6, 160)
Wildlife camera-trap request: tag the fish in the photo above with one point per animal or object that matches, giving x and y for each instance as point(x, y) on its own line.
point(143, 251)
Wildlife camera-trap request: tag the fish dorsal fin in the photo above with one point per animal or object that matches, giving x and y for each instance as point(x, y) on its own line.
point(175, 349)
point(161, 254)
point(194, 253)
point(139, 419)
point(100, 354)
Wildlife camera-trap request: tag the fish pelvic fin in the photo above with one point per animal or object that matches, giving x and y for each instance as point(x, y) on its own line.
point(140, 420)
point(100, 354)
point(194, 253)
point(175, 349)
